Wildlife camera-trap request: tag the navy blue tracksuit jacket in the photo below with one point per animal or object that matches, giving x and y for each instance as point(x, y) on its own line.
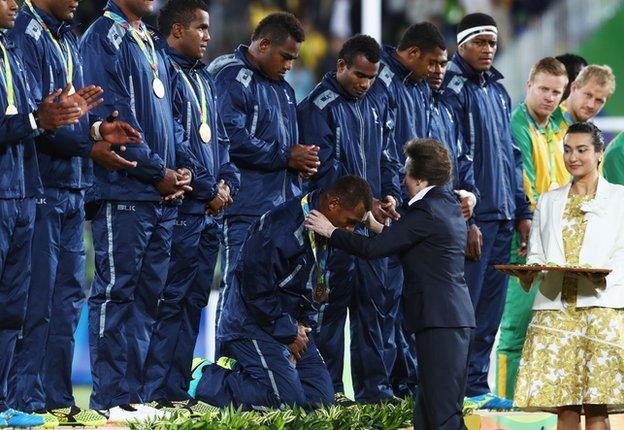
point(196, 243)
point(132, 230)
point(56, 293)
point(355, 138)
point(19, 185)
point(271, 293)
point(483, 109)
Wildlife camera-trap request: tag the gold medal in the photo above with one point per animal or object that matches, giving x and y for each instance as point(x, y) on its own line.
point(205, 133)
point(11, 110)
point(321, 293)
point(159, 88)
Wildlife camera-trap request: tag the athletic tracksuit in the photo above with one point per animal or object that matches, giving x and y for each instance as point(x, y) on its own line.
point(355, 137)
point(196, 236)
point(270, 293)
point(41, 372)
point(20, 183)
point(261, 121)
point(482, 106)
point(132, 230)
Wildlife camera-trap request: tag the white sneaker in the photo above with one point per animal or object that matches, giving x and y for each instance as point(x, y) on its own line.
point(135, 412)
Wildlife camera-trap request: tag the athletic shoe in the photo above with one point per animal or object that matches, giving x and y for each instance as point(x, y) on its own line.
point(197, 369)
point(343, 400)
point(195, 408)
point(74, 416)
point(124, 413)
point(227, 363)
point(50, 421)
point(168, 408)
point(19, 419)
point(490, 401)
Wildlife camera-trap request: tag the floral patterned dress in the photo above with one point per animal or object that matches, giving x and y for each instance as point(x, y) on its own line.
point(572, 356)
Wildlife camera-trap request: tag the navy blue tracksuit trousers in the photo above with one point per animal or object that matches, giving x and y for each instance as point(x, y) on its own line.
point(132, 242)
point(194, 252)
point(265, 376)
point(41, 373)
point(17, 220)
point(488, 288)
point(235, 229)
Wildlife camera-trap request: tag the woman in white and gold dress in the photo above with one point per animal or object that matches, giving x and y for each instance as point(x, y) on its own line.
point(573, 356)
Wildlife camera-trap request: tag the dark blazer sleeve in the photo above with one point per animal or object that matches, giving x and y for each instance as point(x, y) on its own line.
point(402, 235)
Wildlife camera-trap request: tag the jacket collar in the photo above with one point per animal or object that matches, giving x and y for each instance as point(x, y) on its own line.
point(395, 65)
point(187, 64)
point(329, 80)
point(57, 27)
point(458, 66)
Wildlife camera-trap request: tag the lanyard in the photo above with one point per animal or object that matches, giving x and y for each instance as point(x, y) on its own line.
point(202, 106)
point(10, 90)
point(320, 256)
point(68, 60)
point(150, 54)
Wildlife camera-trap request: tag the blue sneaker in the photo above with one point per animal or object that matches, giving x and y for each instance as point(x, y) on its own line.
point(489, 401)
point(196, 374)
point(19, 419)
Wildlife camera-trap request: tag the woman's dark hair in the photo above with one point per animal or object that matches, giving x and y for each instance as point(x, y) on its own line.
point(429, 160)
point(590, 128)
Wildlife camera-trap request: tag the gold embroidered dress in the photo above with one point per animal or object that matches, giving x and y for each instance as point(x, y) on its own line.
point(573, 356)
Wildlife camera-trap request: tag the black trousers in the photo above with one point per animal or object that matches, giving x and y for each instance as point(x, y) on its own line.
point(443, 368)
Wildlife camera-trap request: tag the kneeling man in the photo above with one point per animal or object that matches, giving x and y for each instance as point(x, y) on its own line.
point(272, 306)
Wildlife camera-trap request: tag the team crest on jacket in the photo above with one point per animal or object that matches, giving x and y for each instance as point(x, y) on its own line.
point(325, 98)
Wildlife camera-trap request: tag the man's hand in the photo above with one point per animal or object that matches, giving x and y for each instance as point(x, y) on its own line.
point(119, 132)
point(474, 243)
point(526, 278)
point(53, 115)
point(467, 202)
point(299, 346)
point(102, 154)
point(86, 98)
point(174, 184)
point(388, 205)
point(380, 215)
point(304, 159)
point(524, 228)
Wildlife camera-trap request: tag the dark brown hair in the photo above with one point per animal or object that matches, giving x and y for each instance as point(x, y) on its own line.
point(429, 160)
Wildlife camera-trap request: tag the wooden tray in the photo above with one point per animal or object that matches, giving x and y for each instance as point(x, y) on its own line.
point(507, 268)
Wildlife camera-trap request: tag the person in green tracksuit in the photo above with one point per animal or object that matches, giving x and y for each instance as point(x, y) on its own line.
point(539, 136)
point(613, 161)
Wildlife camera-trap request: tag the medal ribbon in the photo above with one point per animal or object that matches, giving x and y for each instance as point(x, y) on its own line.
point(68, 60)
point(201, 102)
point(320, 256)
point(10, 90)
point(150, 54)
point(550, 141)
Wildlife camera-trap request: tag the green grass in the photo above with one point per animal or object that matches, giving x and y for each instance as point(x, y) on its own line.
point(364, 417)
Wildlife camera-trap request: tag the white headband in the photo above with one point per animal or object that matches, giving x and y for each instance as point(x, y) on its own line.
point(469, 33)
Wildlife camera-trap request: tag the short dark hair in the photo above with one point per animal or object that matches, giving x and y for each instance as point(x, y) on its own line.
point(429, 160)
point(360, 44)
point(573, 64)
point(590, 128)
point(178, 12)
point(424, 35)
point(352, 191)
point(276, 27)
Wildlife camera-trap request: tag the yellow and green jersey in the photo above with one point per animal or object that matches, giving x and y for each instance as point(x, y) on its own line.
point(613, 161)
point(542, 152)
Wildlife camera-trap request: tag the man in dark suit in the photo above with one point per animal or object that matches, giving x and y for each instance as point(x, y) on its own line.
point(430, 239)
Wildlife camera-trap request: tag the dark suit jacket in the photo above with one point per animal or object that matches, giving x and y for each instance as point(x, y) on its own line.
point(430, 239)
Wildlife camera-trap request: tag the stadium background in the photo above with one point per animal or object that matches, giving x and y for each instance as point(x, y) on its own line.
point(529, 30)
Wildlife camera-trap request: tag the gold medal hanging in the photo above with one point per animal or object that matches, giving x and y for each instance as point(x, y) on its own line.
point(159, 88)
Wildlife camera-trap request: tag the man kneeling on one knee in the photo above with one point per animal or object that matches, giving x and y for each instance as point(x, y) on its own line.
point(271, 306)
